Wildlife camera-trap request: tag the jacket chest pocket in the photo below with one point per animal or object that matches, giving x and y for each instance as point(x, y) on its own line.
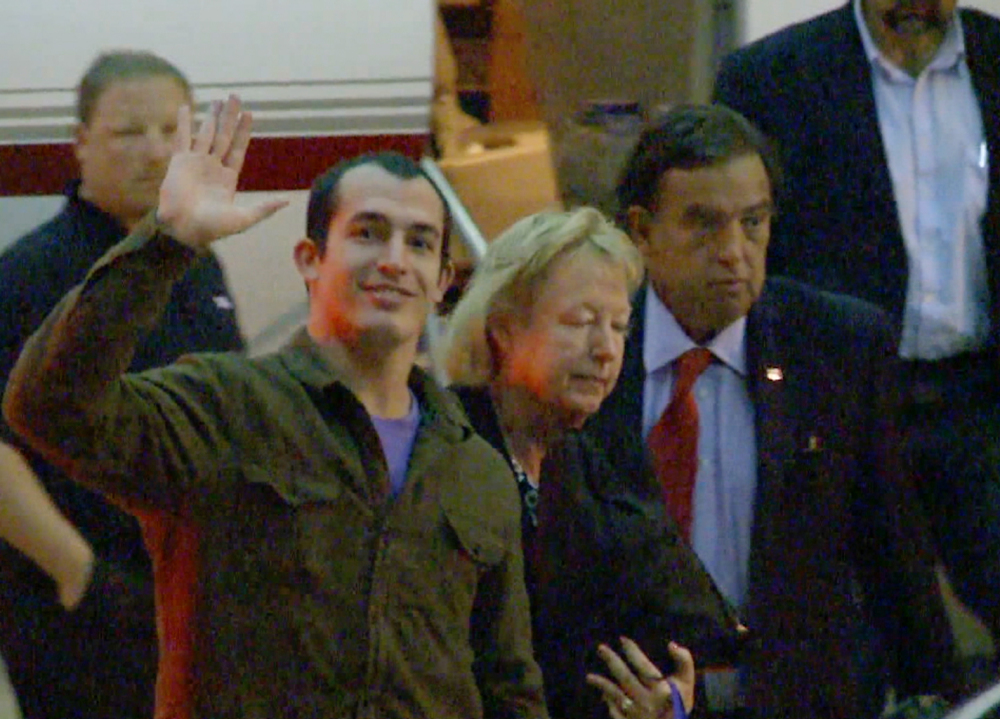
point(439, 567)
point(279, 527)
point(474, 544)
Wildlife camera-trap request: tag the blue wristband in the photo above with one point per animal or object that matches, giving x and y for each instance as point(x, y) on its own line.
point(679, 711)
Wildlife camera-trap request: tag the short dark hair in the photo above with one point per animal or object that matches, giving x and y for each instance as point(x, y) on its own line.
point(324, 196)
point(116, 66)
point(690, 137)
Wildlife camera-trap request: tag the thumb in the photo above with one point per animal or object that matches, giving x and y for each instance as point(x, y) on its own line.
point(260, 212)
point(250, 216)
point(683, 661)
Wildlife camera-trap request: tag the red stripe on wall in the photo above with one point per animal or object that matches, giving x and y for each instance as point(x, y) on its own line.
point(273, 163)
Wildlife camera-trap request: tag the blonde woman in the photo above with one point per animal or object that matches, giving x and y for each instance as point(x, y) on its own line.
point(534, 347)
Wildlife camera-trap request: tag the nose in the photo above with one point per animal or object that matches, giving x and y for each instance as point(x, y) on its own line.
point(730, 241)
point(392, 260)
point(605, 342)
point(159, 144)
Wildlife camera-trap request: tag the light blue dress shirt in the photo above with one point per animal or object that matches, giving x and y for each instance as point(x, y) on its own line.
point(936, 151)
point(722, 511)
point(726, 483)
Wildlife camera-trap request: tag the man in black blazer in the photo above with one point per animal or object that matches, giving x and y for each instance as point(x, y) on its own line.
point(887, 116)
point(800, 509)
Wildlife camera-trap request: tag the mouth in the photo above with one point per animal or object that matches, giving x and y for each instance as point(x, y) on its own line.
point(386, 293)
point(907, 16)
point(593, 381)
point(730, 284)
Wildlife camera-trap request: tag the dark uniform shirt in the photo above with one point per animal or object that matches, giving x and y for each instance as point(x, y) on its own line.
point(41, 642)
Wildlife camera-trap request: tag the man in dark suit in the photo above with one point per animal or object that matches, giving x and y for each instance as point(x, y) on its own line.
point(798, 508)
point(887, 115)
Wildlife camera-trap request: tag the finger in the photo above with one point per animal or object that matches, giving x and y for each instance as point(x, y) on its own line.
point(648, 672)
point(182, 137)
point(240, 141)
point(683, 660)
point(229, 118)
point(610, 692)
point(613, 709)
point(620, 670)
point(607, 687)
point(206, 133)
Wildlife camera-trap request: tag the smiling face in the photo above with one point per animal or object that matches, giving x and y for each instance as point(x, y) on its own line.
point(567, 352)
point(124, 147)
point(381, 271)
point(706, 245)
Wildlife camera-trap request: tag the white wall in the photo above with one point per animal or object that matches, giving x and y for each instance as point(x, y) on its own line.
point(761, 17)
point(305, 67)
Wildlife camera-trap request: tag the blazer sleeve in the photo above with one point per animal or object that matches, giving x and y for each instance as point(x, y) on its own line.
point(892, 547)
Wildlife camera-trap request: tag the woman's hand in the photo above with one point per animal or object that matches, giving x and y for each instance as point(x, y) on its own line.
point(639, 689)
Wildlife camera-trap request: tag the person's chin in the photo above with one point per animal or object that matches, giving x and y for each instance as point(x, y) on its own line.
point(581, 407)
point(387, 332)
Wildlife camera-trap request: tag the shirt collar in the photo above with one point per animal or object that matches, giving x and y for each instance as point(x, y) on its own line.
point(97, 224)
point(304, 361)
point(949, 55)
point(665, 340)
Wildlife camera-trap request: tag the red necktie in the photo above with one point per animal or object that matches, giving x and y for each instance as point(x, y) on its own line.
point(673, 441)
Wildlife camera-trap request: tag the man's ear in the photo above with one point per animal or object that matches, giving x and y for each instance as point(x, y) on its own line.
point(307, 258)
point(445, 279)
point(81, 135)
point(639, 221)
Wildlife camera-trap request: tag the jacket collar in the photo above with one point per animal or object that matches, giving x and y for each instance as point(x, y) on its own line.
point(304, 361)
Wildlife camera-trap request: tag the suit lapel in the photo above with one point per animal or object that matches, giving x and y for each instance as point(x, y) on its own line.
point(982, 41)
point(620, 417)
point(851, 108)
point(774, 422)
point(617, 426)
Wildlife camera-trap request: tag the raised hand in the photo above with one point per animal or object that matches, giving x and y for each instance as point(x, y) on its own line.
point(196, 197)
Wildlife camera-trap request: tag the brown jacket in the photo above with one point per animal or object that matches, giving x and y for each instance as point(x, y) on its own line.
point(288, 584)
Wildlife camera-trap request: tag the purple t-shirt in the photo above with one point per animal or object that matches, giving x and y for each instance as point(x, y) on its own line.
point(397, 436)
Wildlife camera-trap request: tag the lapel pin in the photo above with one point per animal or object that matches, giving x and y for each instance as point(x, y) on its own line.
point(774, 374)
point(223, 302)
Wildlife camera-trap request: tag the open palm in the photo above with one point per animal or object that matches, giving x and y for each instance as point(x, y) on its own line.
point(197, 194)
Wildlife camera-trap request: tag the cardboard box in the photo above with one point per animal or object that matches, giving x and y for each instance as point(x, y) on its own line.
point(503, 172)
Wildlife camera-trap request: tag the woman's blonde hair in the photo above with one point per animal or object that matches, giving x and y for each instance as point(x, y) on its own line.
point(506, 281)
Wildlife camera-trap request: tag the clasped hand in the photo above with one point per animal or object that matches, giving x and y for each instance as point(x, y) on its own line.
point(639, 689)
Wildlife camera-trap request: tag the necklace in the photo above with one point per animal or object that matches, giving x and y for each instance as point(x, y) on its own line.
point(529, 492)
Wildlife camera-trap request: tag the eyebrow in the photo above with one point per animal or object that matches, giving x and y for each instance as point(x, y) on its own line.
point(699, 210)
point(370, 216)
point(762, 205)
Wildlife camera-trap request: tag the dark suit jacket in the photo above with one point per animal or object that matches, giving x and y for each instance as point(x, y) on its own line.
point(809, 88)
point(838, 543)
point(605, 561)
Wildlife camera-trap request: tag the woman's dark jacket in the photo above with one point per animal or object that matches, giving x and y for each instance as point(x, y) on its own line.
point(604, 562)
